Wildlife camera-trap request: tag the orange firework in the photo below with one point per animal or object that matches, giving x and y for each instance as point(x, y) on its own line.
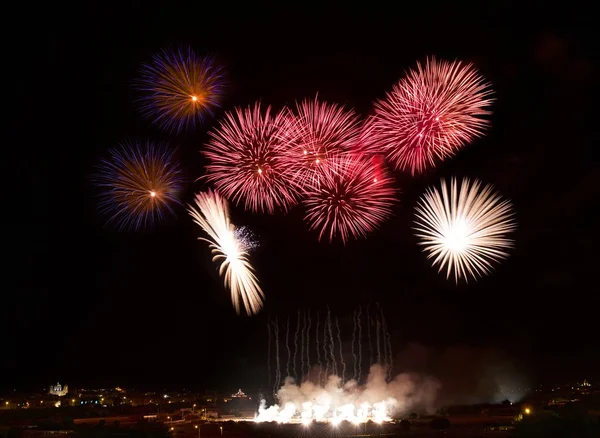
point(180, 89)
point(139, 182)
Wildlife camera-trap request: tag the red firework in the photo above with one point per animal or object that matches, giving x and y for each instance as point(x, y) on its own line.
point(320, 132)
point(349, 198)
point(430, 114)
point(247, 159)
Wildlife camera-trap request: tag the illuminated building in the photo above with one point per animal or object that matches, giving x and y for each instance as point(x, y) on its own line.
point(239, 394)
point(59, 390)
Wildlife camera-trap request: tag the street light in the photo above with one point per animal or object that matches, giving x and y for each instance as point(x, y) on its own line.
point(221, 427)
point(198, 427)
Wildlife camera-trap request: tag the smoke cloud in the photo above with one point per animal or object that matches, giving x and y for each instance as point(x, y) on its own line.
point(467, 375)
point(377, 399)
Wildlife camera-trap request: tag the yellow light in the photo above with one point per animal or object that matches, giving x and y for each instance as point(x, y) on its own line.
point(72, 400)
point(195, 98)
point(6, 403)
point(152, 193)
point(195, 427)
point(527, 411)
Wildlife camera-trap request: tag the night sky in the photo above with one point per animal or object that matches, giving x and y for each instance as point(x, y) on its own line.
point(87, 305)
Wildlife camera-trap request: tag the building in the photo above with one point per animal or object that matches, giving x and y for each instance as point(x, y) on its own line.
point(59, 390)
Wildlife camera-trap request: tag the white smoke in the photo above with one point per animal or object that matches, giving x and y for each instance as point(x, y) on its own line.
point(377, 400)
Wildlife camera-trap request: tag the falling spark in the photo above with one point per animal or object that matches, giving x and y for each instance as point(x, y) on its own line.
point(287, 345)
point(296, 344)
point(277, 363)
point(339, 337)
point(359, 343)
point(308, 342)
point(354, 327)
point(318, 348)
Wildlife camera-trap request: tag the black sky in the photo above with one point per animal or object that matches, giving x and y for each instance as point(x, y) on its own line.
point(88, 305)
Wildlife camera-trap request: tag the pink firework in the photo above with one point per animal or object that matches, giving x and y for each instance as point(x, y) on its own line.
point(320, 132)
point(430, 114)
point(247, 159)
point(349, 198)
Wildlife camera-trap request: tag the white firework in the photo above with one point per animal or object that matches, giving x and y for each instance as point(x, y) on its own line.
point(464, 229)
point(229, 250)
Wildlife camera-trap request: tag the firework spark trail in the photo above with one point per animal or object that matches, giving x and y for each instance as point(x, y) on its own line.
point(308, 342)
point(384, 343)
point(269, 353)
point(302, 343)
point(369, 335)
point(325, 348)
point(353, 341)
point(296, 345)
point(339, 337)
point(331, 343)
point(287, 346)
point(378, 326)
point(212, 215)
point(318, 348)
point(278, 371)
point(464, 229)
point(387, 341)
point(358, 318)
point(391, 360)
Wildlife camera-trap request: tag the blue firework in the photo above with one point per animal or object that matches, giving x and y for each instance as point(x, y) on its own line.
point(180, 89)
point(140, 183)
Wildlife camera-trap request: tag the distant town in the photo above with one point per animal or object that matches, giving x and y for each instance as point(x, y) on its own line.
point(70, 411)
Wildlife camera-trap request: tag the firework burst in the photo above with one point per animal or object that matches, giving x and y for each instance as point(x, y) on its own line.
point(247, 159)
point(349, 198)
point(430, 114)
point(229, 251)
point(180, 89)
point(140, 183)
point(464, 229)
point(320, 131)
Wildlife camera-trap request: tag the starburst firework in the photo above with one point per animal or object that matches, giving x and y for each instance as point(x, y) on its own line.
point(140, 183)
point(247, 159)
point(180, 89)
point(320, 131)
point(464, 229)
point(229, 251)
point(349, 198)
point(430, 114)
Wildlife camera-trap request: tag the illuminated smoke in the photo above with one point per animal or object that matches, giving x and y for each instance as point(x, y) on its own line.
point(377, 400)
